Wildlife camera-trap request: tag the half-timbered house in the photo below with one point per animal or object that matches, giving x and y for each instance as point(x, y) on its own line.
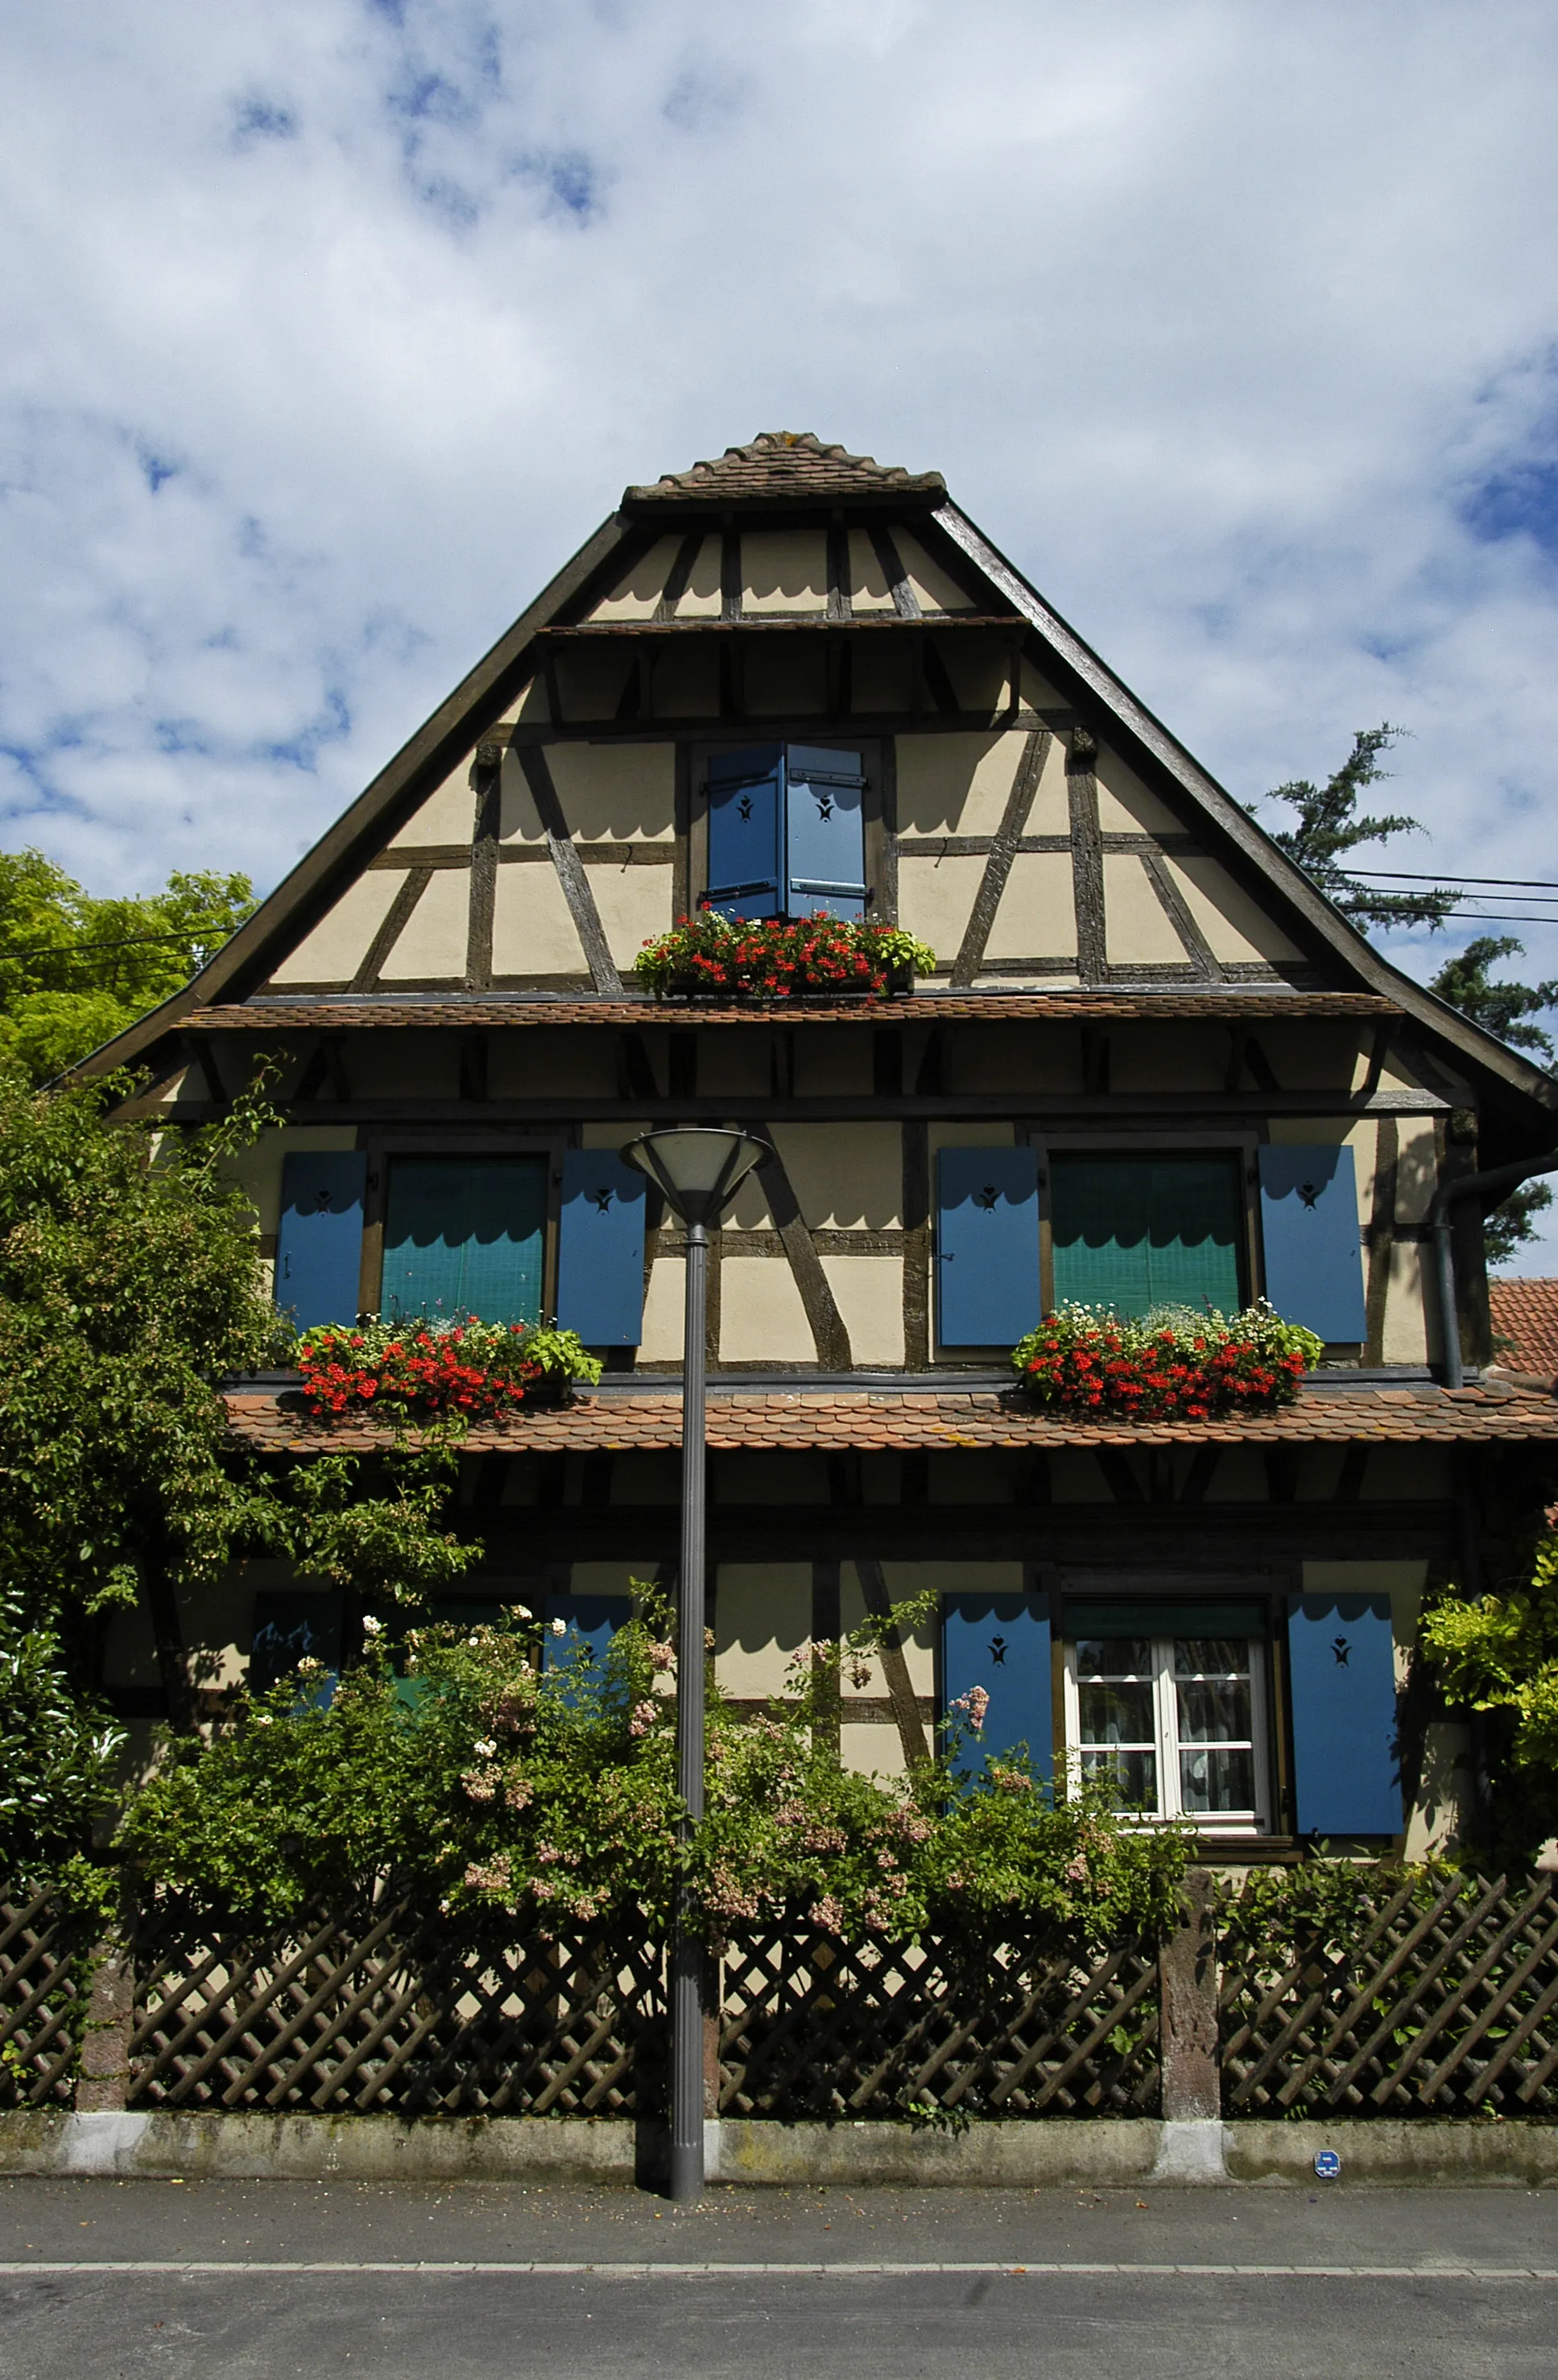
point(1152, 1062)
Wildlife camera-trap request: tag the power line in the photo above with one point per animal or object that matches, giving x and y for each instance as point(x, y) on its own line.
point(128, 941)
point(1409, 876)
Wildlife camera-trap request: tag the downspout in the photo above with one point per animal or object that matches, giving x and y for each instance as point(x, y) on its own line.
point(1500, 1178)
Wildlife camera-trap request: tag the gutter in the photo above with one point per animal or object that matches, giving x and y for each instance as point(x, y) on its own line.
point(1501, 1179)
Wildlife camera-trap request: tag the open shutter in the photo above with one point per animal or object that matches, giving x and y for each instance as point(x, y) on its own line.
point(745, 806)
point(825, 831)
point(289, 1627)
point(600, 1250)
point(987, 1246)
point(1000, 1641)
point(1342, 1667)
point(464, 1236)
point(1309, 1225)
point(589, 1622)
point(318, 1241)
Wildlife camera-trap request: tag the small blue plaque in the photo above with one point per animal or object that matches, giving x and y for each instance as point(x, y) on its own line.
point(1327, 2165)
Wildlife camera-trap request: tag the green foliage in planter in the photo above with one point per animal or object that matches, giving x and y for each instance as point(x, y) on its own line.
point(413, 1369)
point(546, 1798)
point(1170, 1365)
point(776, 958)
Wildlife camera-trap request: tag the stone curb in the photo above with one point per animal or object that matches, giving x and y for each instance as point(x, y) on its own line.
point(1054, 2152)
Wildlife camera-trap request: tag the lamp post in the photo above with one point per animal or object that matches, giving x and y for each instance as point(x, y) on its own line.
point(699, 1169)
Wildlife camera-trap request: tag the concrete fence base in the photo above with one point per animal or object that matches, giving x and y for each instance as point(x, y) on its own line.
point(1052, 2153)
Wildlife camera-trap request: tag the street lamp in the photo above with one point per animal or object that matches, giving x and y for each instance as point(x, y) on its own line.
point(699, 1169)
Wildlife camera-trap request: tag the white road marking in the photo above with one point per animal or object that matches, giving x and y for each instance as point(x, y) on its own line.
point(81, 2267)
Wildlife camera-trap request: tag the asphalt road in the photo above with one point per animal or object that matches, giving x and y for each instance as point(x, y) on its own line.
point(255, 2280)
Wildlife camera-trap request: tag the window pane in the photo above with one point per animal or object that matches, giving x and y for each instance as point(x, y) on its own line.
point(1214, 1711)
point(1115, 1713)
point(1208, 1657)
point(1132, 1775)
point(1114, 1657)
point(1216, 1780)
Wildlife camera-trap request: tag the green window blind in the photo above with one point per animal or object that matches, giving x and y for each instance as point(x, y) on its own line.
point(465, 1235)
point(1135, 1233)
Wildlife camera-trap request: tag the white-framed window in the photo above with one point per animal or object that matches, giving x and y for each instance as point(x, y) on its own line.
point(1176, 1723)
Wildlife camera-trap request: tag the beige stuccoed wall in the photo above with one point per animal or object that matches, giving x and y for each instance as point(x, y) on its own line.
point(868, 1292)
point(761, 1317)
point(762, 1620)
point(960, 784)
point(844, 1176)
point(623, 793)
point(662, 1325)
point(258, 1168)
point(1235, 927)
point(784, 570)
point(334, 951)
point(867, 577)
point(632, 904)
point(1037, 916)
point(436, 934)
point(1138, 929)
point(533, 931)
point(636, 595)
point(447, 816)
point(936, 589)
point(935, 898)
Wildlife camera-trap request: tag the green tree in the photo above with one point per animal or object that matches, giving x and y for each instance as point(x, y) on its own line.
point(130, 1283)
point(1505, 1009)
point(75, 969)
point(1328, 829)
point(1501, 1654)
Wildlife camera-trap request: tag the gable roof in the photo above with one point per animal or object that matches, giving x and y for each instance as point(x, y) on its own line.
point(786, 468)
point(1526, 1312)
point(793, 471)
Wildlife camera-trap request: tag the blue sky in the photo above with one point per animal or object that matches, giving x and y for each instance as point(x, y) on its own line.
point(333, 326)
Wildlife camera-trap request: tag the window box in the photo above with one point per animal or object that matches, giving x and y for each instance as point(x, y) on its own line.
point(711, 958)
point(426, 1371)
point(1169, 1366)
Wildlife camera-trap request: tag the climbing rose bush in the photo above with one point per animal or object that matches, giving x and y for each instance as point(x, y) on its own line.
point(779, 958)
point(458, 1762)
point(1171, 1365)
point(423, 1370)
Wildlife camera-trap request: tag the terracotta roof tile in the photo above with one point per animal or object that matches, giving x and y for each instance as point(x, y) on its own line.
point(338, 1012)
point(799, 1422)
point(787, 466)
point(1525, 1314)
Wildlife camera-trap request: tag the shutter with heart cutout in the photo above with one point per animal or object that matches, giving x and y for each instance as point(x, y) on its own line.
point(600, 1250)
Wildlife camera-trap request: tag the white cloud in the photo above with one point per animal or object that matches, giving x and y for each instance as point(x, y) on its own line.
point(332, 328)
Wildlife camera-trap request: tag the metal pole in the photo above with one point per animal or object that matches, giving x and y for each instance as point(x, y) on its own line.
point(686, 1948)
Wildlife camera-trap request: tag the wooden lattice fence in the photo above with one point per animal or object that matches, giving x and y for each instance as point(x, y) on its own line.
point(956, 2022)
point(1444, 2003)
point(43, 1982)
point(387, 2006)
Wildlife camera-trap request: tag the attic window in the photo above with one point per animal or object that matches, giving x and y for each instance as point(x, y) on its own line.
point(786, 832)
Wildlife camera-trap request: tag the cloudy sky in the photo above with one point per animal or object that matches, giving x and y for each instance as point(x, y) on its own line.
point(333, 326)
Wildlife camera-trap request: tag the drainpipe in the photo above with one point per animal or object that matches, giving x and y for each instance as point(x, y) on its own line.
point(1502, 1179)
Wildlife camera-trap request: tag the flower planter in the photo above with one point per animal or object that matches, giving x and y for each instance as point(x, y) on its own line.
point(1171, 1366)
point(711, 961)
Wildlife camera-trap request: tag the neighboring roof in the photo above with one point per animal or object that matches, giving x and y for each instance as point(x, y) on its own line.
point(336, 1013)
point(784, 467)
point(821, 477)
point(798, 1419)
point(1525, 1315)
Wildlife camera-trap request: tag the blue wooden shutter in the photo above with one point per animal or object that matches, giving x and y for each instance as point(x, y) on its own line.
point(589, 1622)
point(465, 1235)
point(1342, 1668)
point(291, 1627)
point(1309, 1225)
point(318, 1241)
point(745, 808)
point(1000, 1641)
point(987, 1246)
point(825, 832)
point(600, 1250)
point(1135, 1233)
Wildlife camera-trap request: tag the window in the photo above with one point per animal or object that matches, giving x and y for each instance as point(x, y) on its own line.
point(1173, 1721)
point(786, 833)
point(465, 1235)
point(1135, 1233)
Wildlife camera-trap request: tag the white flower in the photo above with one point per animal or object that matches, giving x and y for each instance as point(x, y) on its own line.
point(263, 1719)
point(559, 1628)
point(485, 1745)
point(371, 1627)
point(521, 1611)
